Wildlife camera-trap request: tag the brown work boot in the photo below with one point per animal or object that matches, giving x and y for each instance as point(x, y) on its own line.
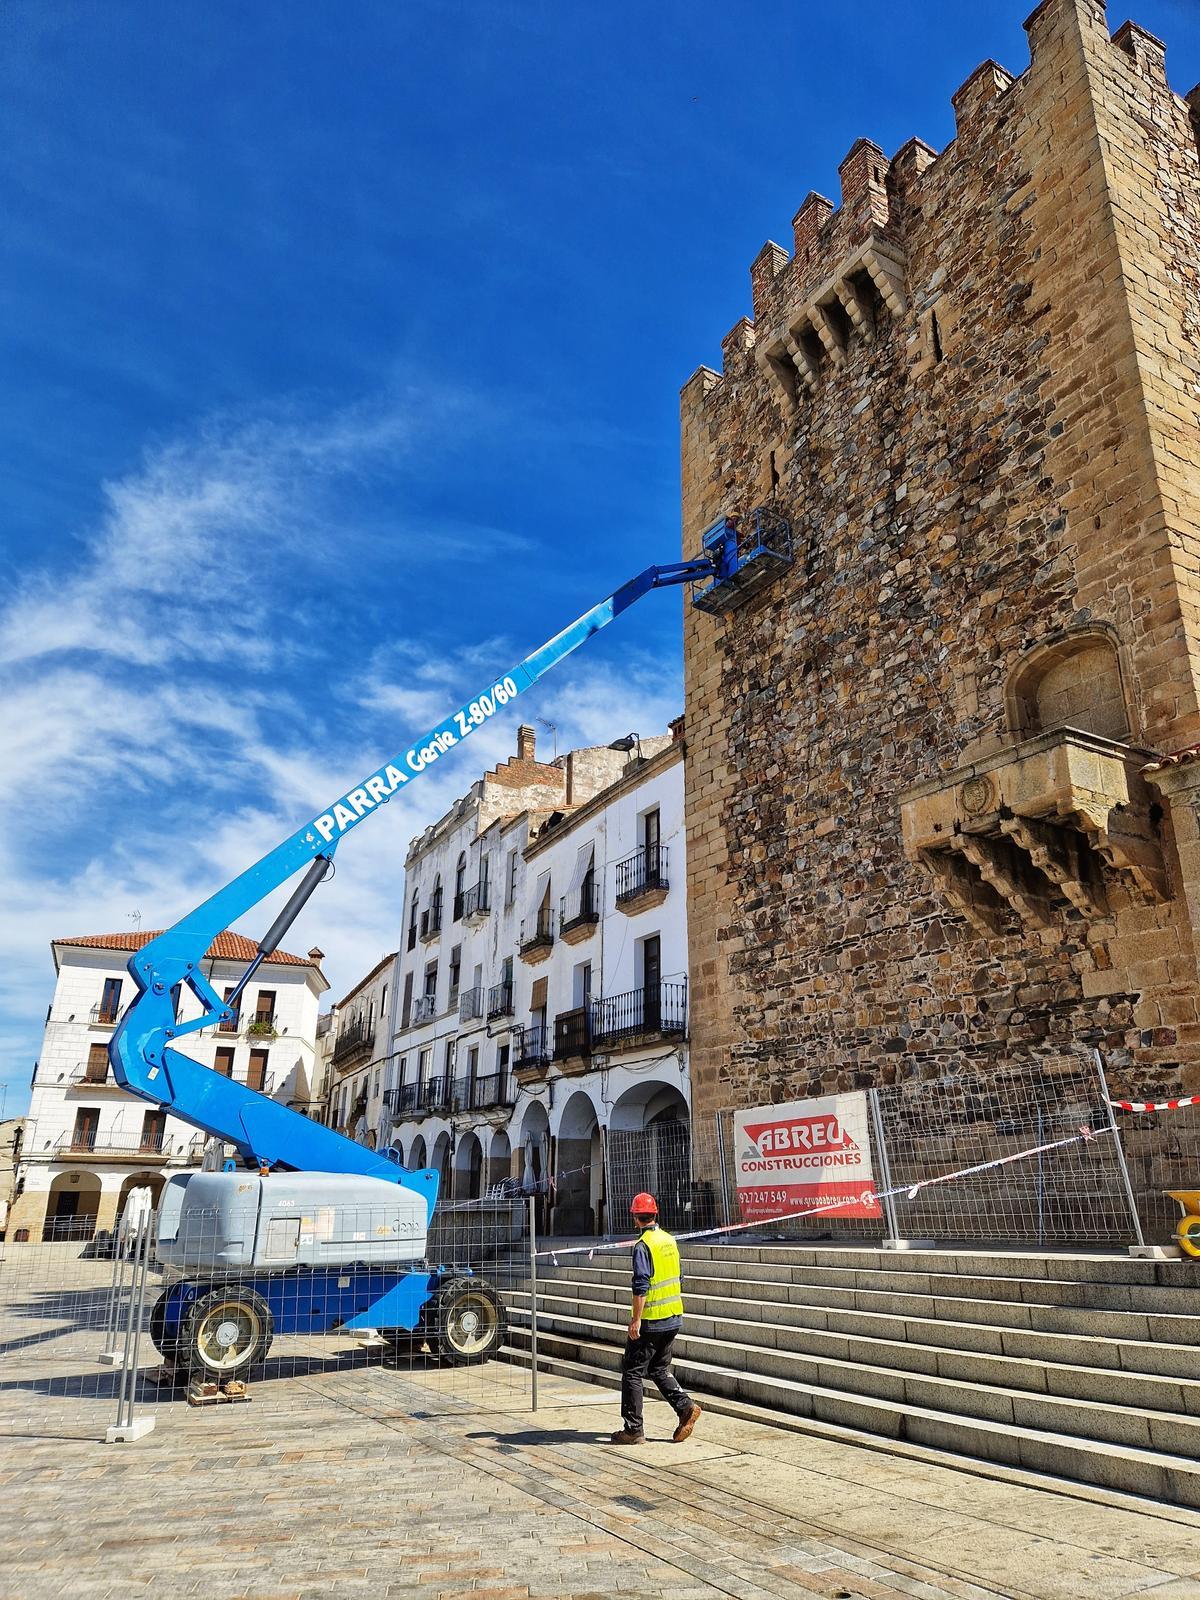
point(627, 1436)
point(683, 1431)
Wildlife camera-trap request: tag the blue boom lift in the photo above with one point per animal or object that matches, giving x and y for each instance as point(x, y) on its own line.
point(343, 1244)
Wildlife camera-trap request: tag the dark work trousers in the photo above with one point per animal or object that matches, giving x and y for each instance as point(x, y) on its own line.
point(649, 1356)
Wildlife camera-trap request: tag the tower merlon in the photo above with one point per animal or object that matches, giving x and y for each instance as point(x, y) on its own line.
point(864, 172)
point(987, 83)
point(815, 211)
point(1148, 53)
point(764, 269)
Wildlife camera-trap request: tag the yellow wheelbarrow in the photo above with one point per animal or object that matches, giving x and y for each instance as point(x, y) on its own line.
point(1187, 1234)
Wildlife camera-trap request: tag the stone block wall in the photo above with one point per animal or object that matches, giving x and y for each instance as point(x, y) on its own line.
point(974, 390)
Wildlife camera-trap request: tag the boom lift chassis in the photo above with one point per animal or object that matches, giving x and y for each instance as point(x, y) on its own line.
point(222, 1330)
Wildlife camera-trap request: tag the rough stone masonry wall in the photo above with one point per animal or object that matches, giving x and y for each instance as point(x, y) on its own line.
point(958, 497)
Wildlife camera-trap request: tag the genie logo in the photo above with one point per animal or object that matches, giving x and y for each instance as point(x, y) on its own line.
point(800, 1135)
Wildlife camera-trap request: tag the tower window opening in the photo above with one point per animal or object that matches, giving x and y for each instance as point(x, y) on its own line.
point(935, 336)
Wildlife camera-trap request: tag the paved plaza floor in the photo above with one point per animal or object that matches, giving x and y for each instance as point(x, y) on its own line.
point(355, 1478)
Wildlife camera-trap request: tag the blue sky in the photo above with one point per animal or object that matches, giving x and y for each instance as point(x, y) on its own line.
point(342, 362)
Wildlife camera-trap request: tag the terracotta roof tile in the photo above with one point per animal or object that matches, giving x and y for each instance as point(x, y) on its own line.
point(225, 947)
point(1177, 758)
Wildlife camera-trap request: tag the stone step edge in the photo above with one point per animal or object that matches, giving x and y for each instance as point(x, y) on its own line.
point(694, 1372)
point(880, 1444)
point(693, 1272)
point(918, 1344)
point(1071, 1401)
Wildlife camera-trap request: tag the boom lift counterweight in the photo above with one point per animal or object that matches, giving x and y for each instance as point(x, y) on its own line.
point(273, 1138)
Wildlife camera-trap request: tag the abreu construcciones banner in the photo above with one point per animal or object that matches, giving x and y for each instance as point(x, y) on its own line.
point(805, 1153)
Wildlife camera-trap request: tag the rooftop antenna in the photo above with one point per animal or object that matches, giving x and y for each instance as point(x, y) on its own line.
point(136, 918)
point(551, 728)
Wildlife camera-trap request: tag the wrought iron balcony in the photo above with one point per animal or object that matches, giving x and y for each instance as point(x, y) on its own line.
point(404, 1099)
point(572, 1034)
point(433, 1096)
point(580, 910)
point(473, 902)
point(493, 1089)
point(658, 1011)
point(424, 1008)
point(354, 1038)
point(91, 1142)
point(233, 1025)
point(92, 1075)
point(103, 1016)
point(538, 935)
point(642, 873)
point(500, 1001)
point(460, 1093)
point(431, 922)
point(470, 1005)
point(262, 1026)
point(531, 1046)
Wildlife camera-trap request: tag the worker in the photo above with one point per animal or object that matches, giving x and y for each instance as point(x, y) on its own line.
point(654, 1321)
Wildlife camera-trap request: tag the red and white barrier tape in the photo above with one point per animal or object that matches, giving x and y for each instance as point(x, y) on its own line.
point(1085, 1135)
point(1156, 1105)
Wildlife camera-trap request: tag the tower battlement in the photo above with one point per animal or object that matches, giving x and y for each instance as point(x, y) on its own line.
point(849, 264)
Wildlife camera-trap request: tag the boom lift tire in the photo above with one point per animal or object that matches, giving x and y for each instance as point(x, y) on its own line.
point(167, 1344)
point(225, 1333)
point(465, 1322)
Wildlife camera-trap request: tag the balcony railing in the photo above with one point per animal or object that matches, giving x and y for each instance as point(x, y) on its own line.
point(96, 1075)
point(538, 934)
point(472, 902)
point(431, 923)
point(579, 909)
point(424, 1008)
point(261, 1025)
point(531, 1046)
point(103, 1016)
point(493, 1089)
point(500, 1001)
point(572, 1034)
point(433, 1096)
point(470, 1004)
point(354, 1037)
point(233, 1024)
point(404, 1099)
point(659, 1009)
point(91, 1142)
point(642, 872)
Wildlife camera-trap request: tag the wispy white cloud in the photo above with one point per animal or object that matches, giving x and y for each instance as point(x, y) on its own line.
point(158, 739)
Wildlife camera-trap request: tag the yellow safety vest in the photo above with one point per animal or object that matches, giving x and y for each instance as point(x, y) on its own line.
point(664, 1298)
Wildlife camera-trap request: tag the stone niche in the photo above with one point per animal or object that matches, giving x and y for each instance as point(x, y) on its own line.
point(1028, 830)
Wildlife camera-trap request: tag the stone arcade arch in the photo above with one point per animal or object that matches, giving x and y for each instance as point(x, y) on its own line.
point(72, 1206)
point(578, 1168)
point(650, 1148)
point(499, 1163)
point(468, 1167)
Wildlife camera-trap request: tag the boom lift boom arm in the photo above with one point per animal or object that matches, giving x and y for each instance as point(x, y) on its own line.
point(142, 1050)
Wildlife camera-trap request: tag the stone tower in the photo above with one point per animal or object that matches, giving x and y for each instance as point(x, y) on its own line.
point(941, 805)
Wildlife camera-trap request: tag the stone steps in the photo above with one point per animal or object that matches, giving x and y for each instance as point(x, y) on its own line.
point(1086, 1367)
point(1154, 1475)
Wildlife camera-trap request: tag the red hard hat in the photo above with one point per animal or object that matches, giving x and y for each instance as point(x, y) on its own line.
point(643, 1205)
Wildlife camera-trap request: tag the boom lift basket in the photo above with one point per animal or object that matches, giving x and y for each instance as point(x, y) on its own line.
point(746, 561)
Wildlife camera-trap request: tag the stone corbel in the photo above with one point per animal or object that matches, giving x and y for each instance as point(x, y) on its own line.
point(1062, 855)
point(1003, 867)
point(976, 901)
point(887, 274)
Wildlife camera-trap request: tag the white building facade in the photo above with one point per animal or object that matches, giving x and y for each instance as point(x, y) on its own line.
point(361, 1071)
point(88, 1142)
point(542, 1026)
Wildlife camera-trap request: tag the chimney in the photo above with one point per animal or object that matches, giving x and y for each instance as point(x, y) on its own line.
point(316, 954)
point(526, 743)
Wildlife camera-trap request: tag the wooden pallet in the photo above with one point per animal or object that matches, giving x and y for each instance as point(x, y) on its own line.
point(212, 1394)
